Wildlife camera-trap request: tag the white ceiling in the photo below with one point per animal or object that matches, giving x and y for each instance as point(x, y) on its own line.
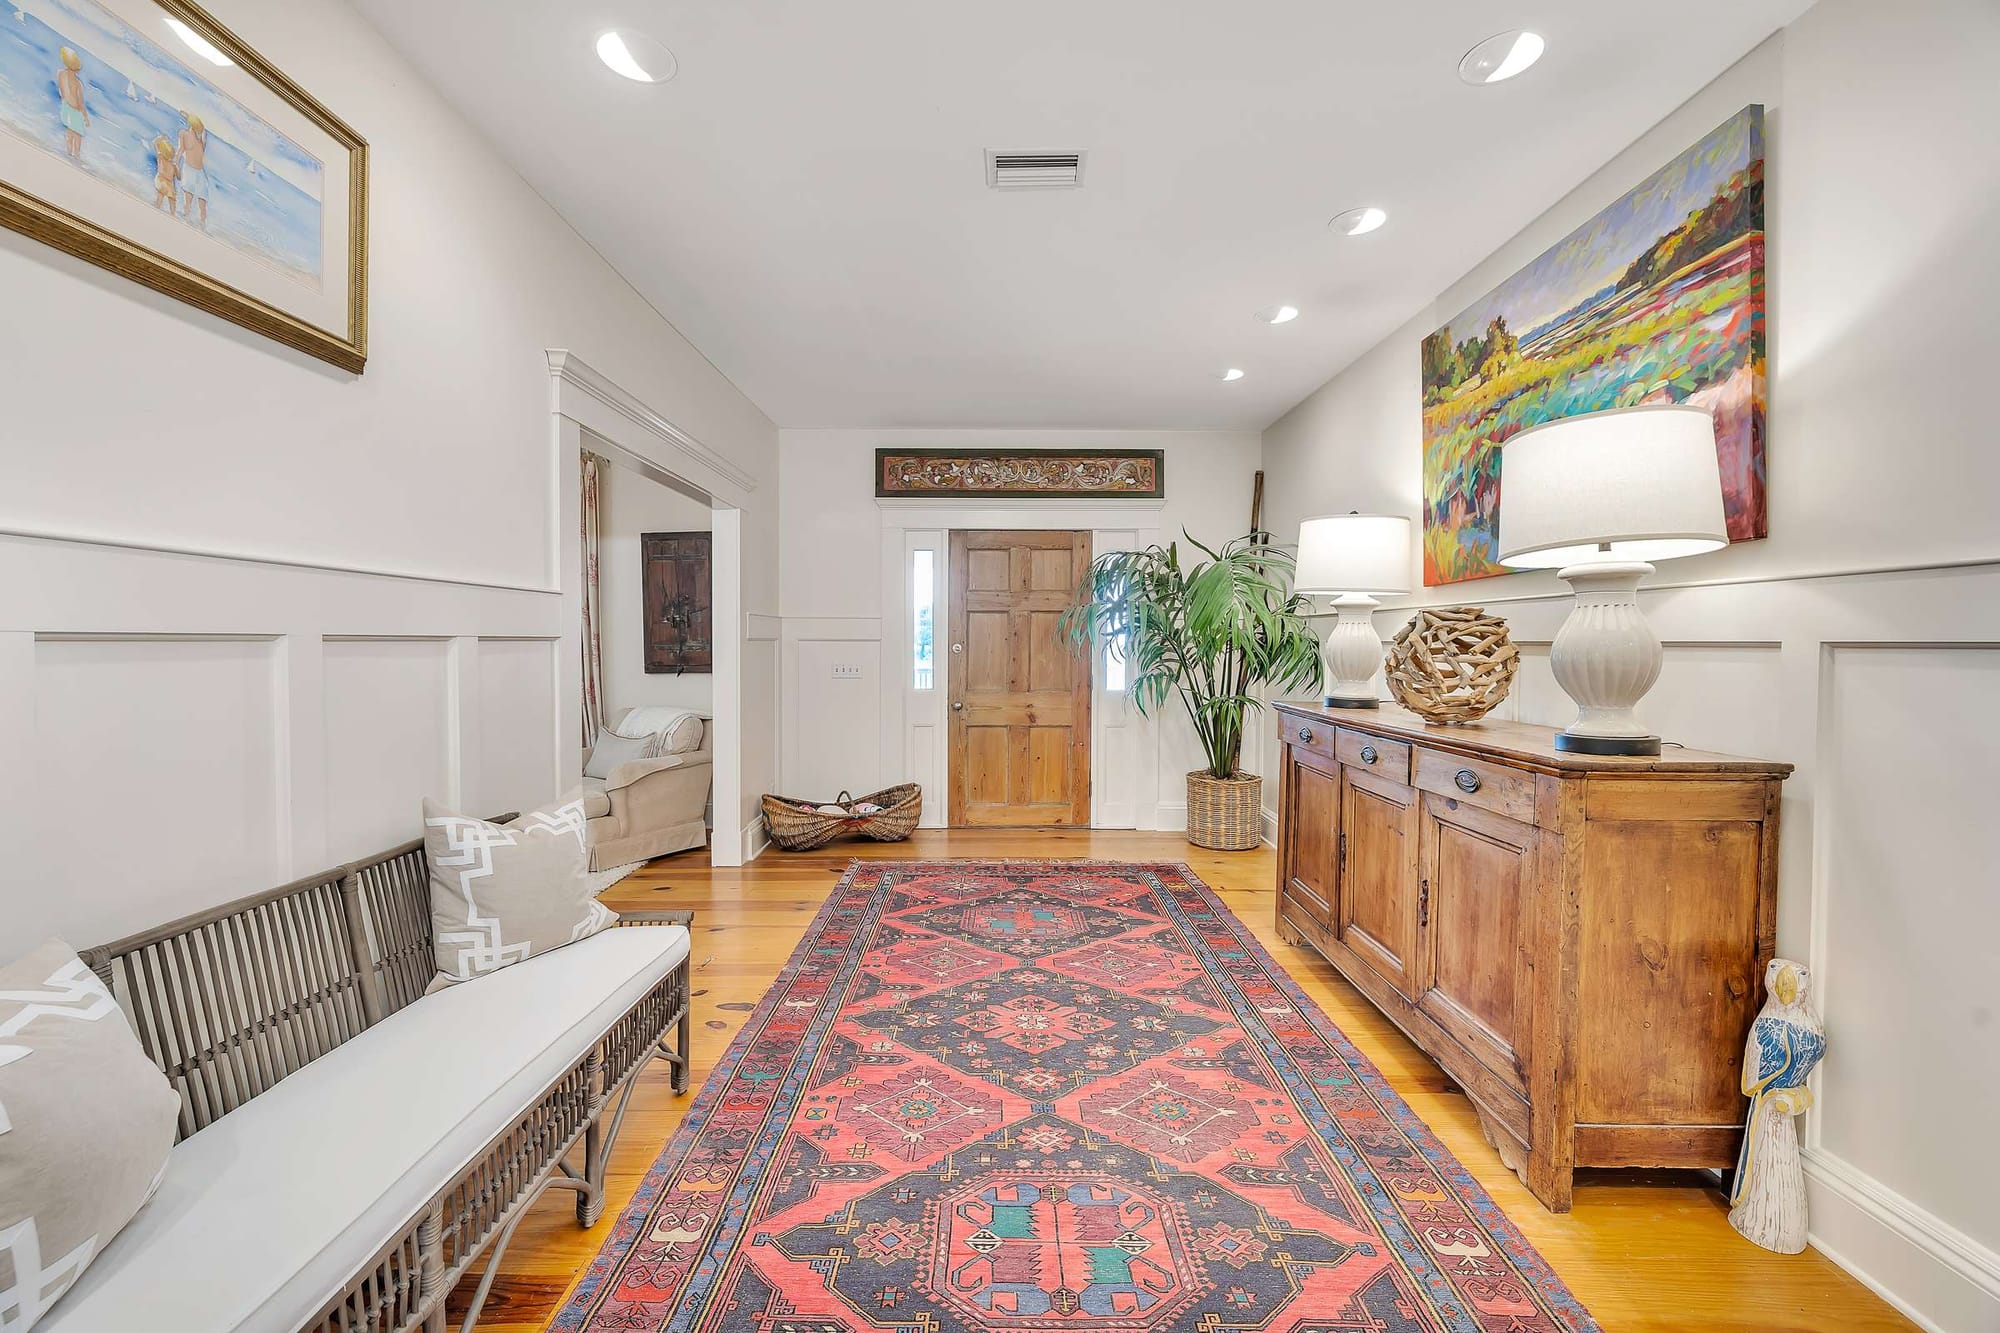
point(806, 201)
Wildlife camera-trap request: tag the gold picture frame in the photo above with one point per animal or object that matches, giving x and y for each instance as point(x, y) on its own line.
point(95, 241)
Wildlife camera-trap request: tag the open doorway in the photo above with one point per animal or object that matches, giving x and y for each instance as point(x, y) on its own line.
point(594, 417)
point(647, 638)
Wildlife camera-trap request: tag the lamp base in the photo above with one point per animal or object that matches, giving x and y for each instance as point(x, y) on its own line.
point(1353, 654)
point(1605, 658)
point(1628, 745)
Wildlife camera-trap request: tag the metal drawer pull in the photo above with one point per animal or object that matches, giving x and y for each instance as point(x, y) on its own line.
point(1367, 754)
point(1305, 733)
point(1466, 780)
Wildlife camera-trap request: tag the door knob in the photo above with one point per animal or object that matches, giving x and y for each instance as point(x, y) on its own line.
point(957, 707)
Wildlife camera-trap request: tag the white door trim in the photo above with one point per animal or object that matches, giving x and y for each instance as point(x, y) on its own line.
point(589, 406)
point(1124, 747)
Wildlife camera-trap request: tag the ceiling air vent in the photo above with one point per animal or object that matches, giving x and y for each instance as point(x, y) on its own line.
point(1034, 171)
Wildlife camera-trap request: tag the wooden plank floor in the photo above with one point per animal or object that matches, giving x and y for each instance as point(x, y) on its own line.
point(1643, 1251)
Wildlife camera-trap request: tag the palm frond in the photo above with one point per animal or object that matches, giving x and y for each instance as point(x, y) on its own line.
point(1217, 631)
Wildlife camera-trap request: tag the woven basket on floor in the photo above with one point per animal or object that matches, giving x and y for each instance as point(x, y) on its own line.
point(798, 826)
point(1225, 814)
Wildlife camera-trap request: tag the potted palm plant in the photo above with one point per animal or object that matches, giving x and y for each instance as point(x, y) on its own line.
point(1216, 631)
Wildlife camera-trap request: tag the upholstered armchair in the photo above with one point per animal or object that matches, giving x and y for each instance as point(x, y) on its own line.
point(649, 807)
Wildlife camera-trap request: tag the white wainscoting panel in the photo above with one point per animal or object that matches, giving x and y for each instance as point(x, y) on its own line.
point(389, 740)
point(158, 773)
point(179, 730)
point(831, 729)
point(1911, 895)
point(515, 758)
point(1710, 696)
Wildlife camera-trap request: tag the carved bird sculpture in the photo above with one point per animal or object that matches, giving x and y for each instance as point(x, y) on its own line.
point(1768, 1195)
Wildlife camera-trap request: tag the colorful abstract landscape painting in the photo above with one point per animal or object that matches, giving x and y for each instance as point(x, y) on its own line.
point(1657, 299)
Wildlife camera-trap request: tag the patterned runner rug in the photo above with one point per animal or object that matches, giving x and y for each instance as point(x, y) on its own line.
point(1077, 1095)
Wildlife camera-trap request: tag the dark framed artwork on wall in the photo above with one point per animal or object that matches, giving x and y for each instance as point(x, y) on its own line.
point(680, 634)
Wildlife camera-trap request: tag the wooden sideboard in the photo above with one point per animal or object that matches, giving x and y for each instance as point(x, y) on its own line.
point(1579, 941)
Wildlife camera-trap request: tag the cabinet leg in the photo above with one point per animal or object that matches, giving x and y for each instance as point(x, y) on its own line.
point(1289, 934)
point(1548, 1182)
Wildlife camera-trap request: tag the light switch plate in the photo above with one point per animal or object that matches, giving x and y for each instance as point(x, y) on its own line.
point(846, 671)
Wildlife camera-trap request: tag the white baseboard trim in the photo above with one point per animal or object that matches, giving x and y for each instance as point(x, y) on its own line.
point(1270, 824)
point(756, 840)
point(1170, 816)
point(1930, 1270)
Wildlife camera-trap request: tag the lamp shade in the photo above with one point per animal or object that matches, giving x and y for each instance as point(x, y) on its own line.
point(1635, 483)
point(1354, 553)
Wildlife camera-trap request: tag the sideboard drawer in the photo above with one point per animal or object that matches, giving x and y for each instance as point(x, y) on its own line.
point(1505, 791)
point(1389, 760)
point(1315, 736)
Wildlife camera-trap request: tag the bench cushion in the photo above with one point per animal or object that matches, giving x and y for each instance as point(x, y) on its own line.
point(265, 1215)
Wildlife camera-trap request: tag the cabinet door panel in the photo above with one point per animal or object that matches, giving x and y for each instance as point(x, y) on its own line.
point(1473, 907)
point(1377, 907)
point(1313, 819)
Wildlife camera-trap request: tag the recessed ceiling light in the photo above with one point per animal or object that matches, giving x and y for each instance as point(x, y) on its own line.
point(636, 56)
point(1358, 221)
point(198, 44)
point(1501, 57)
point(1230, 376)
point(1278, 314)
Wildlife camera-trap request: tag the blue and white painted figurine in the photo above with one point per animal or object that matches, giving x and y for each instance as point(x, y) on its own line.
point(1768, 1200)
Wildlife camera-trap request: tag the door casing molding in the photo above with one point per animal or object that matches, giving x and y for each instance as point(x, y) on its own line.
point(1124, 747)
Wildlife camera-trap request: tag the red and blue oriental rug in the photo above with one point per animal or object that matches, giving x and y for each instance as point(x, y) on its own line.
point(989, 1096)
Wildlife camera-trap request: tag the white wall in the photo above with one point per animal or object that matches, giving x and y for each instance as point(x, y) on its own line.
point(1884, 193)
point(631, 505)
point(177, 729)
point(841, 733)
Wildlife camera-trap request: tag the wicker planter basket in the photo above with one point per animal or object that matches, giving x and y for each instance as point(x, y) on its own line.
point(798, 826)
point(1225, 814)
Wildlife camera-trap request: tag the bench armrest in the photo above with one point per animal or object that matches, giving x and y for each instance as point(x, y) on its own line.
point(681, 917)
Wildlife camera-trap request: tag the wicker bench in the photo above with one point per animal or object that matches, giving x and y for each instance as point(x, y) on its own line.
point(349, 1145)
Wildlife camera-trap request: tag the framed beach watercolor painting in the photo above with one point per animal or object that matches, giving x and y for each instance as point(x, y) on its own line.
point(1657, 299)
point(143, 136)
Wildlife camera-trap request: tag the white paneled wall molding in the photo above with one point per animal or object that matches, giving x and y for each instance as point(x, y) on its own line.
point(178, 729)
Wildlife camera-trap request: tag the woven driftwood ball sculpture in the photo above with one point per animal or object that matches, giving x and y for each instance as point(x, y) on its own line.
point(1452, 664)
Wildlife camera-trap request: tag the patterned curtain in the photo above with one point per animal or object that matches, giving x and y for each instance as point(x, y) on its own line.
point(593, 653)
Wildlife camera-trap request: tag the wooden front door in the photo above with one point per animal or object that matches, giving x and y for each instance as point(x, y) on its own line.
point(1020, 698)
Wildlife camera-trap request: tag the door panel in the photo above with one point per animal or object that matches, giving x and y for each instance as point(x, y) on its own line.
point(1314, 820)
point(1378, 876)
point(1473, 905)
point(1020, 699)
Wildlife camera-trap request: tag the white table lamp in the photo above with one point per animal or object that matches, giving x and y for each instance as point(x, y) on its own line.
point(1354, 558)
point(1597, 497)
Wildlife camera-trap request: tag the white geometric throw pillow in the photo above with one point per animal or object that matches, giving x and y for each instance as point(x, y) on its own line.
point(86, 1122)
point(504, 892)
